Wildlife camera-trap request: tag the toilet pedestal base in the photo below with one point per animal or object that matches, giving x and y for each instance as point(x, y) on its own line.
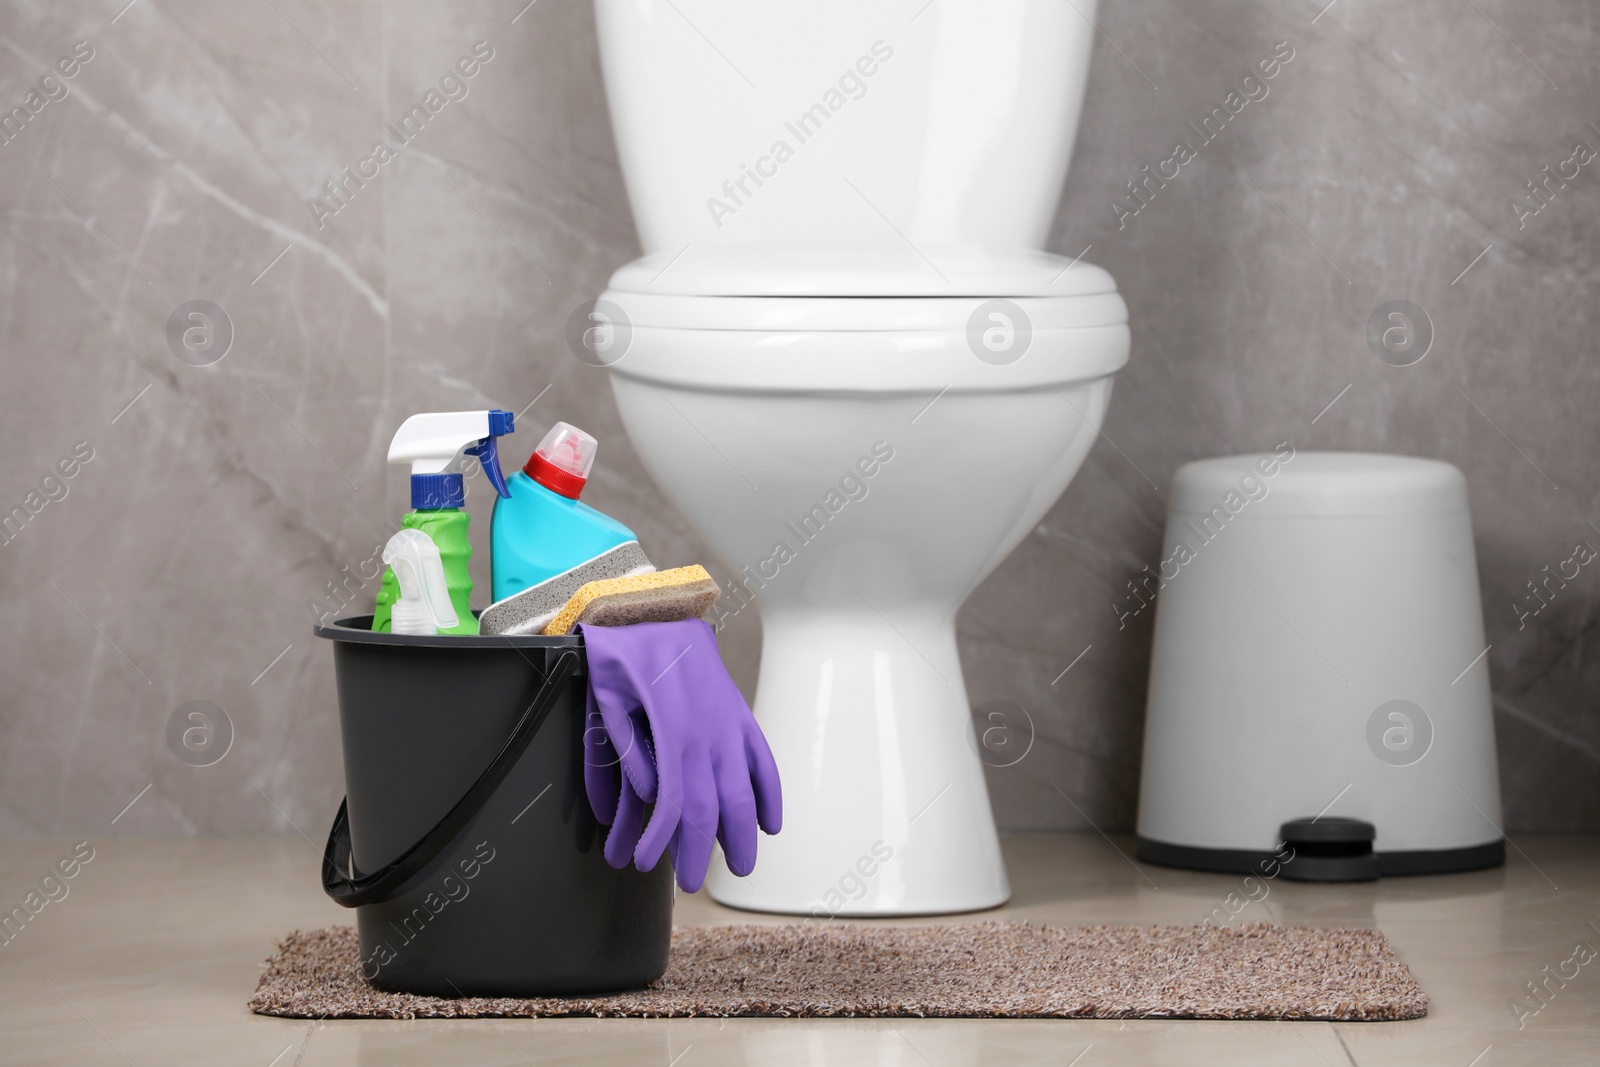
point(885, 807)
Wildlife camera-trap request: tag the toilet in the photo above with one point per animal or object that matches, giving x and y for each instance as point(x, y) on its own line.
point(847, 360)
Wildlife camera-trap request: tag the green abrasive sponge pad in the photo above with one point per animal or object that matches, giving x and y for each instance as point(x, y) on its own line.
point(529, 611)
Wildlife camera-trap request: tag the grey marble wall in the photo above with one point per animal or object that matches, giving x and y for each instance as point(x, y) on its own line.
point(211, 508)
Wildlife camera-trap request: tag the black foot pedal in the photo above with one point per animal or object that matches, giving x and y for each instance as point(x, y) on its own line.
point(1330, 850)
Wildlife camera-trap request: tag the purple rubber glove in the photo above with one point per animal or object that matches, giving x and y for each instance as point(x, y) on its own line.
point(685, 741)
point(612, 796)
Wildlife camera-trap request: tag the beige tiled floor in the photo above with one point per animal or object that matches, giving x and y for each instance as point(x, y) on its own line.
point(150, 957)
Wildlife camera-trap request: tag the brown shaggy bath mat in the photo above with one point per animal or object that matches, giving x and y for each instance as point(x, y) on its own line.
point(998, 970)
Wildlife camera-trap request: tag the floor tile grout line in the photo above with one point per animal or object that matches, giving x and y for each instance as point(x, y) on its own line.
point(305, 1043)
point(1301, 1034)
point(1351, 1056)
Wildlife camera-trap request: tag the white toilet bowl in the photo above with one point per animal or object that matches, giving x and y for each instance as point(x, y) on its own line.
point(845, 360)
point(861, 469)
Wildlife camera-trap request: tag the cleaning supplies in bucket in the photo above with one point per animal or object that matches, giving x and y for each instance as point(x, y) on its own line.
point(540, 529)
point(660, 698)
point(466, 846)
point(423, 607)
point(667, 726)
point(433, 443)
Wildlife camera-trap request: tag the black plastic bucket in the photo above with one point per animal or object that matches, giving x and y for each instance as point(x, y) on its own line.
point(466, 843)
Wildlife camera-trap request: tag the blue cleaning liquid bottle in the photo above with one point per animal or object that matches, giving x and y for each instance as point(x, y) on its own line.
point(539, 528)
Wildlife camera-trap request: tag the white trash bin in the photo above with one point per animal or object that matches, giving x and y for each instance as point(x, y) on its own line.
point(1318, 661)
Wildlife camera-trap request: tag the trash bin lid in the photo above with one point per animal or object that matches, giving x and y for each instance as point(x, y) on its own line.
point(1286, 482)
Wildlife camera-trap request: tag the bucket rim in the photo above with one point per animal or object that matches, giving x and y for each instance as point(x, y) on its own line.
point(357, 629)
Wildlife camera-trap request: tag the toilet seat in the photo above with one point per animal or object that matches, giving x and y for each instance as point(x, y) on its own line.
point(859, 289)
point(862, 320)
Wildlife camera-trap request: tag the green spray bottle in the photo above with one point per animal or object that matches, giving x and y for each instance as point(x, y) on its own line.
point(434, 443)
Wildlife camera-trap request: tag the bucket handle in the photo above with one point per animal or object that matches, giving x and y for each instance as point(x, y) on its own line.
point(351, 890)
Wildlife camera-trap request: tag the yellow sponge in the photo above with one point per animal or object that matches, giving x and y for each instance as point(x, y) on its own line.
point(664, 596)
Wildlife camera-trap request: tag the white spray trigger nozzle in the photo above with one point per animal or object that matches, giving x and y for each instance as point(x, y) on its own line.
point(424, 606)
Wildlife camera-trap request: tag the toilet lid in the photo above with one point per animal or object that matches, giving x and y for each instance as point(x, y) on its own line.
point(866, 288)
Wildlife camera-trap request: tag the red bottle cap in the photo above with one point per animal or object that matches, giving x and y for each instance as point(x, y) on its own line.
point(563, 460)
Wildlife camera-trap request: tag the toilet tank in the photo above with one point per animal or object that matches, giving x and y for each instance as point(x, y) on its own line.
point(844, 121)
